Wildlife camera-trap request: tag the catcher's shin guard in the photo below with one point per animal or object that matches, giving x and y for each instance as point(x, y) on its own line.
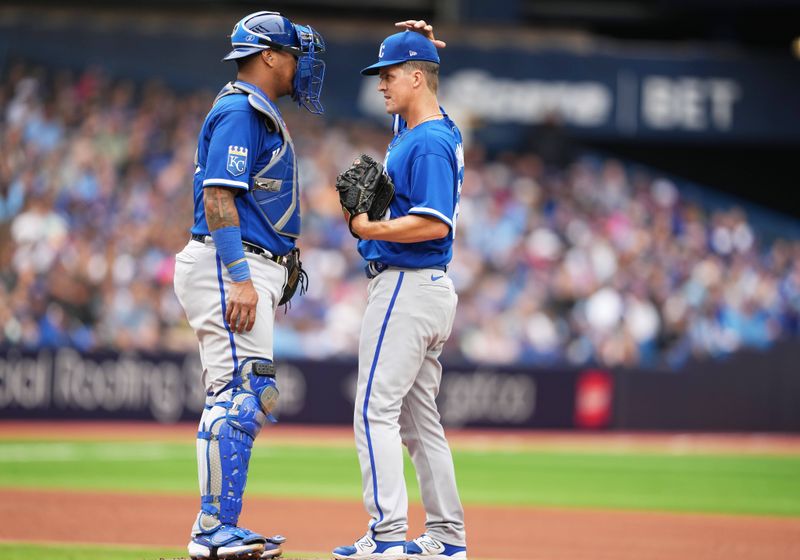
point(230, 423)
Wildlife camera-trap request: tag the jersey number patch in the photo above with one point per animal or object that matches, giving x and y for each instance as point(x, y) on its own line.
point(237, 160)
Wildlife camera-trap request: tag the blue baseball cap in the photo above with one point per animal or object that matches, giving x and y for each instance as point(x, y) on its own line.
point(402, 47)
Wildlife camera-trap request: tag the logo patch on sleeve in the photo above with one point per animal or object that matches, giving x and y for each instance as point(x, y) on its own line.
point(237, 160)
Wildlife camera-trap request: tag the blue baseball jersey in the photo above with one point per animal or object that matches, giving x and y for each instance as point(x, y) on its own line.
point(233, 145)
point(426, 164)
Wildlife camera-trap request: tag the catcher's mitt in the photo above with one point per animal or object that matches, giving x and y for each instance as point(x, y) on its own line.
point(365, 187)
point(295, 276)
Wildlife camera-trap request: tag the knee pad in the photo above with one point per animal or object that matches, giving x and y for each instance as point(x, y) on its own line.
point(230, 423)
point(255, 398)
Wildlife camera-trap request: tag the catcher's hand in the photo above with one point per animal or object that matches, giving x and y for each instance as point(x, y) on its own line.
point(365, 187)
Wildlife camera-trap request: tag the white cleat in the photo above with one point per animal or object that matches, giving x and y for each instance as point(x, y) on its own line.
point(427, 548)
point(367, 548)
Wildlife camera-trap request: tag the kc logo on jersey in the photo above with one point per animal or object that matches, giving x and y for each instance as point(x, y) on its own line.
point(237, 160)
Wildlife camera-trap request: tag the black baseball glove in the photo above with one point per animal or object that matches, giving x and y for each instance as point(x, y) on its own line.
point(365, 187)
point(295, 276)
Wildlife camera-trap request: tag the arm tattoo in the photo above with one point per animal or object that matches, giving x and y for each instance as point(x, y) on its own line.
point(220, 208)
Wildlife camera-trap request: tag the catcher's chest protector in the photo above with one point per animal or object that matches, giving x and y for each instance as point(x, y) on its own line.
point(275, 187)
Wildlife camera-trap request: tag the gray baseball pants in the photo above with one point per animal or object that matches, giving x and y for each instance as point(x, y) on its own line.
point(409, 317)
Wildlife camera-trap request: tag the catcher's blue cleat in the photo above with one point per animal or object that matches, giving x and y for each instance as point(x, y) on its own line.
point(272, 548)
point(227, 541)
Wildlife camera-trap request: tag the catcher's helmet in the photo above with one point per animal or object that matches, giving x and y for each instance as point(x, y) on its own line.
point(270, 30)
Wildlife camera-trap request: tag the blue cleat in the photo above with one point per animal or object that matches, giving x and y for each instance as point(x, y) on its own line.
point(227, 541)
point(367, 548)
point(272, 548)
point(427, 548)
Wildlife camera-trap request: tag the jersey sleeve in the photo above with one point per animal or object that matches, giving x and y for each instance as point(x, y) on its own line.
point(232, 150)
point(432, 187)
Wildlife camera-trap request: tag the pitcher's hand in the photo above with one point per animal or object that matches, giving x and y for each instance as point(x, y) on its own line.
point(423, 28)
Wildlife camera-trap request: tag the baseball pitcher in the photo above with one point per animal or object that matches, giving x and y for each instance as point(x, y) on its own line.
point(404, 212)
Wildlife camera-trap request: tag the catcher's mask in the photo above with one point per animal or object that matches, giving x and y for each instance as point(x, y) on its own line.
point(270, 30)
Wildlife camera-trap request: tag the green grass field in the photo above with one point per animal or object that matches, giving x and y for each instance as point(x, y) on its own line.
point(26, 551)
point(725, 483)
point(651, 481)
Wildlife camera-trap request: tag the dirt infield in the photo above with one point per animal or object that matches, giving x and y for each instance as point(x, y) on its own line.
point(505, 533)
point(498, 533)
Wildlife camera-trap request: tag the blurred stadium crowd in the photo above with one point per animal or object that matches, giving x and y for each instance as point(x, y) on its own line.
point(592, 262)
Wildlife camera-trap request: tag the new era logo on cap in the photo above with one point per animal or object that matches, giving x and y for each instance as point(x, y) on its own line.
point(401, 47)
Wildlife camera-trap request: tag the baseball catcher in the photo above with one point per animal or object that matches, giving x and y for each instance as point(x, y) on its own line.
point(241, 262)
point(364, 188)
